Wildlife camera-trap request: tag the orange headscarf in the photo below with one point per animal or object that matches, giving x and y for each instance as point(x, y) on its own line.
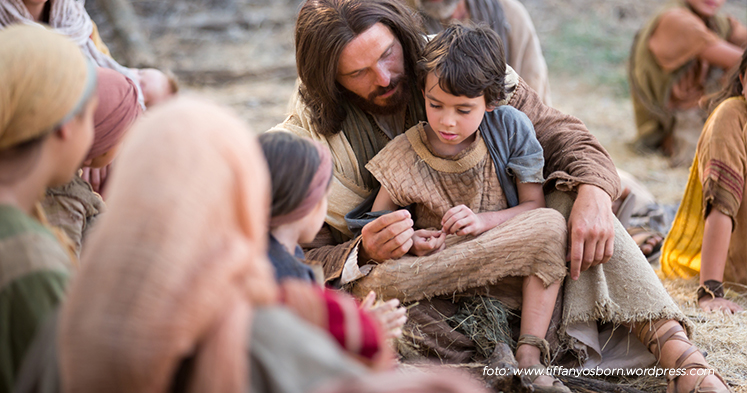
point(116, 111)
point(176, 265)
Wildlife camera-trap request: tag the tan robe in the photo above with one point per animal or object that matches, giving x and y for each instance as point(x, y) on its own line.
point(73, 208)
point(410, 172)
point(716, 182)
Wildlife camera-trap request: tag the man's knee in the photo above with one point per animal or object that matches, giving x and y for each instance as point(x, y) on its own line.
point(553, 227)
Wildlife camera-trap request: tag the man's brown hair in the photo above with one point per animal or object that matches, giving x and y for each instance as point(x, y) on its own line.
point(468, 61)
point(324, 28)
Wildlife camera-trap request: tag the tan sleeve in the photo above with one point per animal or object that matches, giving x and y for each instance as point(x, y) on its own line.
point(722, 158)
point(738, 33)
point(678, 38)
point(573, 156)
point(323, 250)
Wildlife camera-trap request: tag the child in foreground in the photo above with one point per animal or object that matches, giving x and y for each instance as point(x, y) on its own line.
point(443, 166)
point(301, 172)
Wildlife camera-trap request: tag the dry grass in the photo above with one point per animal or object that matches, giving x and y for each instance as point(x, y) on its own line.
point(724, 337)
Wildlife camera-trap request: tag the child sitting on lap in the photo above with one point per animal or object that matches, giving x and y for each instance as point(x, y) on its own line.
point(444, 168)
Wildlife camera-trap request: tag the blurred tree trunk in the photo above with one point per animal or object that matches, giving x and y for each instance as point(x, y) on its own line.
point(124, 21)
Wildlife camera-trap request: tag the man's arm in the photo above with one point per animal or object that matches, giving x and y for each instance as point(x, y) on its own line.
point(573, 156)
point(575, 161)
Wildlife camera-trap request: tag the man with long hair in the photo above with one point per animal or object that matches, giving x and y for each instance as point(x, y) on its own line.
point(356, 64)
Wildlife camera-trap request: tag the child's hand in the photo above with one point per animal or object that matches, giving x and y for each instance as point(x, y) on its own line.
point(719, 304)
point(461, 220)
point(390, 314)
point(426, 242)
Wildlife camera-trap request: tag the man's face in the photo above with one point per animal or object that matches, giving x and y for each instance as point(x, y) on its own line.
point(372, 68)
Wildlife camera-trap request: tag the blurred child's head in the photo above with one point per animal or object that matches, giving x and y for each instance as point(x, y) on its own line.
point(156, 85)
point(300, 173)
point(117, 110)
point(462, 75)
point(47, 91)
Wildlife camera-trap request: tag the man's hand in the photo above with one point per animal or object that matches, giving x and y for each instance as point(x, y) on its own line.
point(461, 220)
point(591, 230)
point(425, 242)
point(387, 237)
point(719, 304)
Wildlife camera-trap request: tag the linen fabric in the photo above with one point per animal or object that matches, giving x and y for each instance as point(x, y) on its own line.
point(73, 208)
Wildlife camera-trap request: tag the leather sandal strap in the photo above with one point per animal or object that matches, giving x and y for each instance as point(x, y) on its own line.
point(648, 330)
point(535, 341)
point(700, 379)
point(685, 355)
point(652, 338)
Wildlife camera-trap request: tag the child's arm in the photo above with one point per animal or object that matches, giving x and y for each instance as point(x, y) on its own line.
point(383, 201)
point(461, 220)
point(716, 239)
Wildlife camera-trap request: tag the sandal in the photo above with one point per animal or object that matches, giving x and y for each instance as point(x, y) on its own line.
point(544, 347)
point(651, 338)
point(643, 237)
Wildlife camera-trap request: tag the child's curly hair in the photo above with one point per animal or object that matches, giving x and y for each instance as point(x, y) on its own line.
point(468, 60)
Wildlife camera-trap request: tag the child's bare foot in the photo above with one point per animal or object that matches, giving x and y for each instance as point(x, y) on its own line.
point(390, 314)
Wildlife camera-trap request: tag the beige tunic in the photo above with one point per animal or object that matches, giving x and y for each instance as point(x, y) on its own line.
point(532, 243)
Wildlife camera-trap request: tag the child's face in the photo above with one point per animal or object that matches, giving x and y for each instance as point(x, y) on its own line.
point(313, 222)
point(454, 119)
point(706, 7)
point(154, 85)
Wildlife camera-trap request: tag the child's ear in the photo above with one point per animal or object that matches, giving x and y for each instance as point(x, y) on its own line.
point(490, 108)
point(64, 131)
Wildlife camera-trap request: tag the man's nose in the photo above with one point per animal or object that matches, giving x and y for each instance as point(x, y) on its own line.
point(383, 76)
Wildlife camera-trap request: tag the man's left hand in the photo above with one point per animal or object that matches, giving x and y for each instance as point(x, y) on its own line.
point(591, 230)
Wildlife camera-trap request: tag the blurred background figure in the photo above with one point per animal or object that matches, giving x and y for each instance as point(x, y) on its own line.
point(679, 56)
point(509, 19)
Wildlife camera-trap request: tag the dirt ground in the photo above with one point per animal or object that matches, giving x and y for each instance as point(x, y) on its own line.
point(240, 53)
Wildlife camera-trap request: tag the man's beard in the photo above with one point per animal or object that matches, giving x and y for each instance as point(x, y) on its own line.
point(394, 104)
point(439, 10)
